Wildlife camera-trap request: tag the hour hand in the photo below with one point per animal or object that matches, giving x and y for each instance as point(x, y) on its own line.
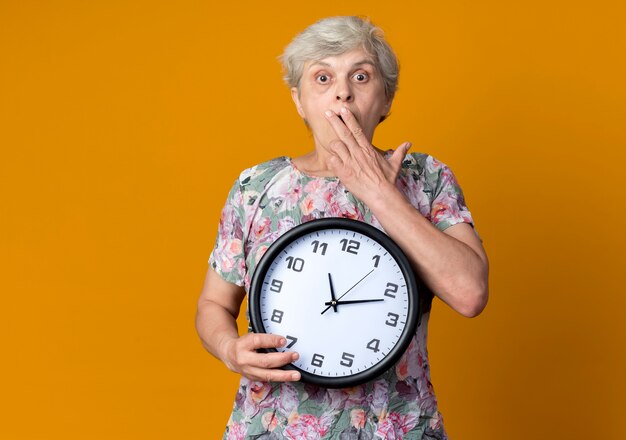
point(352, 301)
point(345, 293)
point(333, 300)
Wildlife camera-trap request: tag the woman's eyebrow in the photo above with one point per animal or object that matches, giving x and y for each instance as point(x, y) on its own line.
point(356, 64)
point(319, 63)
point(360, 63)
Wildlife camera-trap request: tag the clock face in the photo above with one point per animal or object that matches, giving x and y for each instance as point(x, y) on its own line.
point(342, 294)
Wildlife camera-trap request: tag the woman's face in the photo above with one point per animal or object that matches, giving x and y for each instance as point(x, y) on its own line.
point(348, 80)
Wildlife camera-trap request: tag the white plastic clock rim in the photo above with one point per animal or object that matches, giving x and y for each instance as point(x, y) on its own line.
point(370, 231)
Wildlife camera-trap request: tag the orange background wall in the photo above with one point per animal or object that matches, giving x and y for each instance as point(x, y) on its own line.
point(124, 123)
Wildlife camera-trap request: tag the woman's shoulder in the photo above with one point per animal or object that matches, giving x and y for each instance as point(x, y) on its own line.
point(260, 173)
point(422, 163)
point(430, 171)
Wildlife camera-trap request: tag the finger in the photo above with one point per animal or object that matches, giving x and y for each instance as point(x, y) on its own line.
point(340, 150)
point(334, 163)
point(354, 127)
point(398, 155)
point(341, 129)
point(272, 375)
point(270, 360)
point(396, 159)
point(254, 341)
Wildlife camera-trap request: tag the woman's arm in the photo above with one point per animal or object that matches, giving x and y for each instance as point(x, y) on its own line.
point(452, 263)
point(216, 323)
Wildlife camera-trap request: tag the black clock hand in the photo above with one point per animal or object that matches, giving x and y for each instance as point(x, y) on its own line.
point(354, 301)
point(333, 302)
point(346, 292)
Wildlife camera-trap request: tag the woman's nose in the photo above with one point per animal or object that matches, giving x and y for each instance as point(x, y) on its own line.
point(344, 97)
point(344, 94)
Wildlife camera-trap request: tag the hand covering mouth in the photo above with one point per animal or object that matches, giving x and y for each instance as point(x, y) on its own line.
point(342, 120)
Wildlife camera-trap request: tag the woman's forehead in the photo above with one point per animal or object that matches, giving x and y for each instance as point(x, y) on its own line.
point(351, 59)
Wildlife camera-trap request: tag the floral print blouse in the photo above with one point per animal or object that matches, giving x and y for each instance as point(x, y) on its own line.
point(266, 201)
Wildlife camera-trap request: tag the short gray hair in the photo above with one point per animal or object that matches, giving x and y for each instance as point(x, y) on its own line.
point(337, 35)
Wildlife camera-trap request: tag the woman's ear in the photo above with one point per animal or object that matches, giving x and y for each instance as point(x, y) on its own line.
point(295, 95)
point(386, 110)
point(388, 106)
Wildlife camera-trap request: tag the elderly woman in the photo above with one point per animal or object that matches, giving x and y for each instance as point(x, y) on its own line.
point(343, 76)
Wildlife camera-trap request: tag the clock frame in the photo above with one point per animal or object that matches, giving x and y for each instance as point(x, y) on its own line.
point(276, 255)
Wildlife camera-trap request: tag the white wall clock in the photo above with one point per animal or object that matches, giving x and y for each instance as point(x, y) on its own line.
point(344, 296)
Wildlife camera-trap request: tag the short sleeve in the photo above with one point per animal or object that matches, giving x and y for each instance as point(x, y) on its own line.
point(448, 204)
point(228, 257)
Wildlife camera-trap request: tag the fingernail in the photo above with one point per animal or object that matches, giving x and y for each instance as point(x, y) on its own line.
point(344, 110)
point(281, 342)
point(295, 376)
point(328, 113)
point(295, 356)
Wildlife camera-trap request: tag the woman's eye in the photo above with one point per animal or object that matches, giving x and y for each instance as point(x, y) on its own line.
point(322, 79)
point(360, 77)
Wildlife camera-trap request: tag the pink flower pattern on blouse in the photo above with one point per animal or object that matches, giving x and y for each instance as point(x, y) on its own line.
point(266, 201)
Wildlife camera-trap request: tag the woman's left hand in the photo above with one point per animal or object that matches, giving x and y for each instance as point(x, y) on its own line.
point(357, 163)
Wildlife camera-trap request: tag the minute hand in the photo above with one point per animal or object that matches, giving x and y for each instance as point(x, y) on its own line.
point(346, 292)
point(353, 301)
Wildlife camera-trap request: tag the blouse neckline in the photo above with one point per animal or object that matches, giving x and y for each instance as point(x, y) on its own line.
point(307, 175)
